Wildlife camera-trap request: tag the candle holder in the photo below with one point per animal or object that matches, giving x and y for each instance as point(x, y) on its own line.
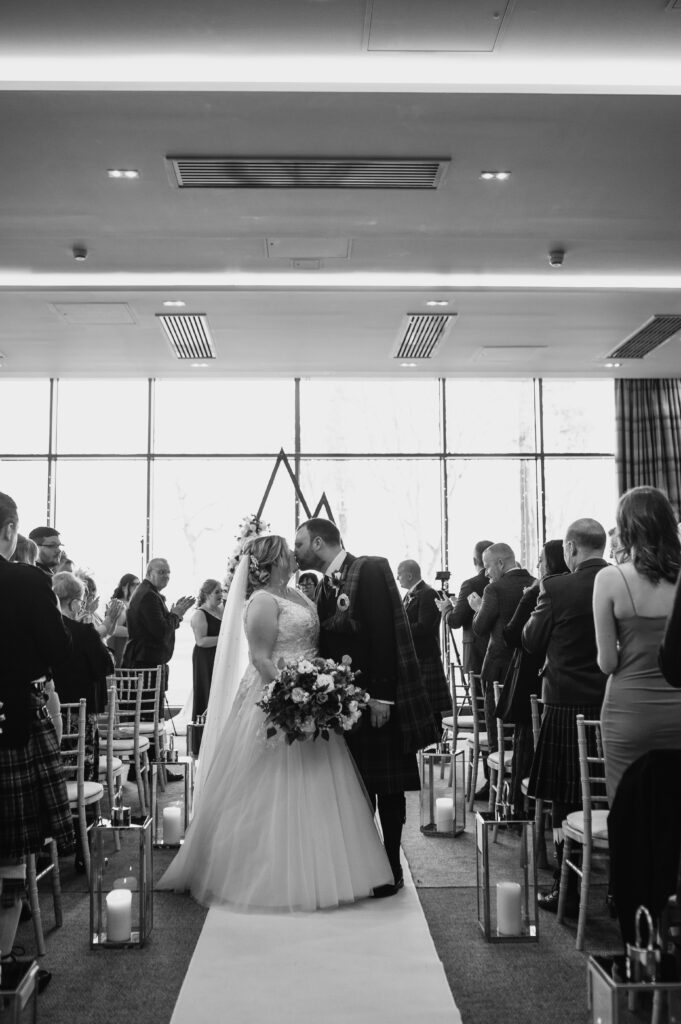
point(128, 869)
point(120, 815)
point(195, 735)
point(507, 880)
point(442, 802)
point(159, 834)
point(169, 755)
point(612, 993)
point(19, 991)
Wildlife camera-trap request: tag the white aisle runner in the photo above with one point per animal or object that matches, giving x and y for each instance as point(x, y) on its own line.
point(366, 963)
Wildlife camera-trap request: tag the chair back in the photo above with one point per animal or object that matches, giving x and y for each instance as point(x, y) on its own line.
point(143, 686)
point(477, 699)
point(591, 768)
point(504, 730)
point(72, 747)
point(535, 710)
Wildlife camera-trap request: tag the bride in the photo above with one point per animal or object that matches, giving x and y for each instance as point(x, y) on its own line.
point(277, 827)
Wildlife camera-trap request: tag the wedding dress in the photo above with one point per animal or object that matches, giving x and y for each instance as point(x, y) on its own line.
point(279, 827)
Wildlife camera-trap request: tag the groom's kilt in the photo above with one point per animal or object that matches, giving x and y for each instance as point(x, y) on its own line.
point(379, 757)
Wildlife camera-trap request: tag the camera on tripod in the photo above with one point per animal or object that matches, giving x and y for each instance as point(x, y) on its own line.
point(443, 577)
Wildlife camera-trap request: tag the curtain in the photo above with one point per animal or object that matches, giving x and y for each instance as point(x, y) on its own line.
point(648, 448)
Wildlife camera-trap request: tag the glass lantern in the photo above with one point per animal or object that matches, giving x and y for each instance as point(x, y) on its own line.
point(121, 890)
point(507, 880)
point(171, 822)
point(19, 991)
point(443, 784)
point(614, 998)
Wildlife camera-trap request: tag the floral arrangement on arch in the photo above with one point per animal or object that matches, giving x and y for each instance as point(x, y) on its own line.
point(311, 698)
point(249, 526)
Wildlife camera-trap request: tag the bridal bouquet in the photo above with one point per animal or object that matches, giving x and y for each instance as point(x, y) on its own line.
point(311, 698)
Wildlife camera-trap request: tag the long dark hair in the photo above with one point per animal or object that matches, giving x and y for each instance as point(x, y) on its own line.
point(554, 559)
point(648, 533)
point(121, 591)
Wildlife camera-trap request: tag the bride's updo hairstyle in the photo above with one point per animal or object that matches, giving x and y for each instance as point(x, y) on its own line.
point(648, 533)
point(263, 553)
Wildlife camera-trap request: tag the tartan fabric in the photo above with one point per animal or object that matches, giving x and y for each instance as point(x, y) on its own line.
point(33, 801)
point(379, 757)
point(416, 721)
point(555, 768)
point(648, 440)
point(435, 684)
point(91, 773)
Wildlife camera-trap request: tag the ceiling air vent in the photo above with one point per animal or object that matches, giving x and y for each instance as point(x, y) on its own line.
point(421, 335)
point(188, 335)
point(267, 172)
point(654, 333)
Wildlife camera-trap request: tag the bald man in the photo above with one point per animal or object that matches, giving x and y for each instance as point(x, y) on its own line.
point(492, 613)
point(423, 617)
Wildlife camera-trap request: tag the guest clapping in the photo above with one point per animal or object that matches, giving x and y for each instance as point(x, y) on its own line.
point(127, 585)
point(205, 622)
point(631, 604)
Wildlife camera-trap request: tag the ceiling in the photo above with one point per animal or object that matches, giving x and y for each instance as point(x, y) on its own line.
point(578, 100)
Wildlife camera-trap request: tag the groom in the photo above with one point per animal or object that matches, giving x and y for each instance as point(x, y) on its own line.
point(361, 614)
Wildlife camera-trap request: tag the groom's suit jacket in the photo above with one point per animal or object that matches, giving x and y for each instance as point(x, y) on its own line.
point(383, 765)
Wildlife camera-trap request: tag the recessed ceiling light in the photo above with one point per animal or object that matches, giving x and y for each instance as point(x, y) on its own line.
point(118, 172)
point(407, 364)
point(199, 366)
point(437, 302)
point(495, 175)
point(612, 366)
point(174, 302)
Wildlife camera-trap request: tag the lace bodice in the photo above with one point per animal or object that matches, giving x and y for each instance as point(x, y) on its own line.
point(298, 634)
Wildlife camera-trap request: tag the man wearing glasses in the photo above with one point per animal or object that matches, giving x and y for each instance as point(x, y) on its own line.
point(49, 548)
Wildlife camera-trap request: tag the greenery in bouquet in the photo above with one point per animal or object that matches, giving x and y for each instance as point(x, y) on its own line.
point(312, 697)
point(249, 526)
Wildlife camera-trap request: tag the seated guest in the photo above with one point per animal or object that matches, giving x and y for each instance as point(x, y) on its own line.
point(84, 673)
point(26, 551)
point(423, 617)
point(34, 805)
point(632, 602)
point(561, 631)
point(127, 585)
point(49, 548)
point(308, 583)
point(522, 678)
point(205, 622)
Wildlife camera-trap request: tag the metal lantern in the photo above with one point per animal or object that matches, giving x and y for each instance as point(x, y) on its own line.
point(612, 993)
point(171, 822)
point(19, 991)
point(442, 797)
point(507, 879)
point(121, 889)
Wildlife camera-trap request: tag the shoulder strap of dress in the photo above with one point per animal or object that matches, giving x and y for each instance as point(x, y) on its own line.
point(631, 598)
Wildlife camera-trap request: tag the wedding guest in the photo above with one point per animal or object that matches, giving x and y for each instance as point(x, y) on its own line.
point(89, 613)
point(65, 564)
point(33, 800)
point(49, 548)
point(669, 657)
point(127, 585)
point(205, 623)
point(631, 604)
point(26, 550)
point(561, 633)
point(84, 673)
point(458, 614)
point(308, 583)
point(423, 617)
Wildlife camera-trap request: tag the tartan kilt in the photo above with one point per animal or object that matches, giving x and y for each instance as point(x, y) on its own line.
point(380, 759)
point(555, 768)
point(435, 684)
point(33, 801)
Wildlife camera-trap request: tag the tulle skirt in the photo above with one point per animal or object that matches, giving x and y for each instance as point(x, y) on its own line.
point(279, 827)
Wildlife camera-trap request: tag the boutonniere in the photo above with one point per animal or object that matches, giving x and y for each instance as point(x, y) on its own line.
point(337, 580)
point(342, 602)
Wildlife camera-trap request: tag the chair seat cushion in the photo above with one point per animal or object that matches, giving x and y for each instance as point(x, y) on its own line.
point(493, 759)
point(448, 721)
point(129, 745)
point(482, 740)
point(116, 764)
point(599, 824)
point(92, 792)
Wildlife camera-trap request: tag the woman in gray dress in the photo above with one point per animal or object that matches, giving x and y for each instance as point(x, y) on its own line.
point(631, 603)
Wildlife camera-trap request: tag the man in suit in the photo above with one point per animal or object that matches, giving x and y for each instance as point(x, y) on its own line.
point(361, 615)
point(32, 640)
point(151, 626)
point(49, 548)
point(492, 612)
point(423, 617)
point(458, 614)
point(561, 630)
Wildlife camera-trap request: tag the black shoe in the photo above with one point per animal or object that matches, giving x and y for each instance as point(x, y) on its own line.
point(44, 979)
point(132, 774)
point(381, 891)
point(26, 912)
point(610, 904)
point(174, 776)
point(549, 901)
point(483, 794)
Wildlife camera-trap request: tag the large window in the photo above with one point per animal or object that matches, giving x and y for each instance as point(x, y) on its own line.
point(420, 469)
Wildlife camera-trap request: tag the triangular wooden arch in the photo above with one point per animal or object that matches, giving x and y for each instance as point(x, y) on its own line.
point(323, 503)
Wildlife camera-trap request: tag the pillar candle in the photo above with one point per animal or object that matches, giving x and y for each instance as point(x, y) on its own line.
point(508, 908)
point(128, 882)
point(118, 915)
point(172, 825)
point(444, 814)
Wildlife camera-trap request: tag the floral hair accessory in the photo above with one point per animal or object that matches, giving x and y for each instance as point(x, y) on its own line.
point(249, 526)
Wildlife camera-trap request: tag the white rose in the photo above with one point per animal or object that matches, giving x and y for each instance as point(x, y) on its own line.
point(299, 696)
point(352, 707)
point(324, 682)
point(305, 667)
